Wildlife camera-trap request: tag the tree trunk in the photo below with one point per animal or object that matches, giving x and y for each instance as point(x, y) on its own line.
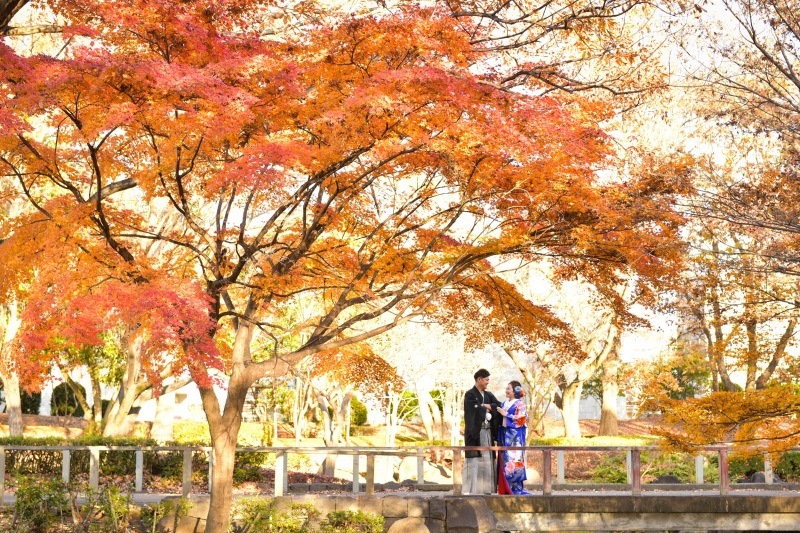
point(752, 354)
point(324, 405)
point(777, 355)
point(162, 430)
point(224, 425)
point(608, 413)
point(97, 398)
point(570, 404)
point(13, 404)
point(298, 398)
point(424, 400)
point(91, 428)
point(224, 456)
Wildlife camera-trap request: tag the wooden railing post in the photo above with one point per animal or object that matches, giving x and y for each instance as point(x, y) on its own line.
point(187, 473)
point(724, 485)
point(457, 472)
point(768, 476)
point(560, 466)
point(547, 472)
point(629, 467)
point(2, 475)
point(65, 466)
point(698, 469)
point(94, 466)
point(139, 470)
point(280, 473)
point(286, 473)
point(356, 482)
point(370, 474)
point(420, 470)
point(636, 472)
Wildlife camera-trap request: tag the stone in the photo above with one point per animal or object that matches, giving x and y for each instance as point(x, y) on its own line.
point(435, 525)
point(437, 508)
point(384, 468)
point(371, 504)
point(187, 524)
point(388, 523)
point(324, 503)
point(667, 479)
point(409, 525)
point(395, 507)
point(198, 506)
point(469, 515)
point(346, 503)
point(193, 522)
point(761, 477)
point(418, 507)
point(407, 471)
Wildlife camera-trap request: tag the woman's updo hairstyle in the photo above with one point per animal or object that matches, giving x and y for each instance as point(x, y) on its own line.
point(517, 388)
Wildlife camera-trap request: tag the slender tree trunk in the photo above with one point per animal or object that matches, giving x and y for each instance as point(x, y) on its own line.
point(424, 400)
point(9, 325)
point(298, 399)
point(777, 355)
point(438, 421)
point(608, 413)
point(75, 387)
point(13, 404)
point(570, 405)
point(162, 430)
point(97, 398)
point(328, 436)
point(752, 354)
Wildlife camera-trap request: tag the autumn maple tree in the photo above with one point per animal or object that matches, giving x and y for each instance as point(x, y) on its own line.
point(191, 173)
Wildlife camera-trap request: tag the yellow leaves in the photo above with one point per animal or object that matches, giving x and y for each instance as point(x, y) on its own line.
point(749, 420)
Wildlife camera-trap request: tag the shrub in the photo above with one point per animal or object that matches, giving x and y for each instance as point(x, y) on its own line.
point(191, 433)
point(611, 469)
point(358, 412)
point(351, 522)
point(614, 468)
point(30, 402)
point(743, 467)
point(151, 514)
point(659, 464)
point(260, 516)
point(39, 504)
point(788, 467)
point(105, 510)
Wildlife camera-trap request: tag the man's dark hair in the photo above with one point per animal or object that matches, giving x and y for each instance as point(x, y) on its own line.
point(482, 373)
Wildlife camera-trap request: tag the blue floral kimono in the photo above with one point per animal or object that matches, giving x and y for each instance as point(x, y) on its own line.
point(511, 463)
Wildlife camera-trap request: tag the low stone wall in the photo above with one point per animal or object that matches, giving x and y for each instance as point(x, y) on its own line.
point(417, 512)
point(403, 513)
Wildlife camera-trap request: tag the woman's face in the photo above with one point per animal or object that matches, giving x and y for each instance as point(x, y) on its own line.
point(509, 391)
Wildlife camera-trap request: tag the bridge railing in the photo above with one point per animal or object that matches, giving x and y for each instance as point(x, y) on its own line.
point(548, 455)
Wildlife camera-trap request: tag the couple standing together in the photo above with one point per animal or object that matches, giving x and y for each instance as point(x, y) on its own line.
point(486, 420)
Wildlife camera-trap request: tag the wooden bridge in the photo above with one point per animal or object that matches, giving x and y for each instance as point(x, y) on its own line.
point(554, 504)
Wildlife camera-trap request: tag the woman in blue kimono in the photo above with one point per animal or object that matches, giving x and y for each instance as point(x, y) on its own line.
point(511, 463)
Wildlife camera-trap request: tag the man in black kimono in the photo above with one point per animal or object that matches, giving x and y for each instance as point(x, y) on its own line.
point(480, 429)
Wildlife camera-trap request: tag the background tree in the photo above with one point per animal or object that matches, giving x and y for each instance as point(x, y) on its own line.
point(359, 165)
